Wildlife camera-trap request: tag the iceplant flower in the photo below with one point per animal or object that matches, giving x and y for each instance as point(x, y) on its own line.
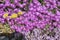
point(14, 15)
point(19, 13)
point(5, 15)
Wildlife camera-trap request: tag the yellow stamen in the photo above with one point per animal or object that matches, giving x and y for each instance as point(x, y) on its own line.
point(5, 15)
point(20, 13)
point(14, 15)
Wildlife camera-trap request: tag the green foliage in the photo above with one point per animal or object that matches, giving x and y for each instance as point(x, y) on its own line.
point(58, 7)
point(12, 1)
point(5, 28)
point(42, 2)
point(53, 11)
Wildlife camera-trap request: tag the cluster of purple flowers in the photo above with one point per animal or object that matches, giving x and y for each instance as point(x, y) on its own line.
point(36, 14)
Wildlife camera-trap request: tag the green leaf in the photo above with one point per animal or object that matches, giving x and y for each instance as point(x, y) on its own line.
point(7, 25)
point(21, 2)
point(30, 1)
point(40, 1)
point(58, 7)
point(53, 11)
point(47, 26)
point(12, 1)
